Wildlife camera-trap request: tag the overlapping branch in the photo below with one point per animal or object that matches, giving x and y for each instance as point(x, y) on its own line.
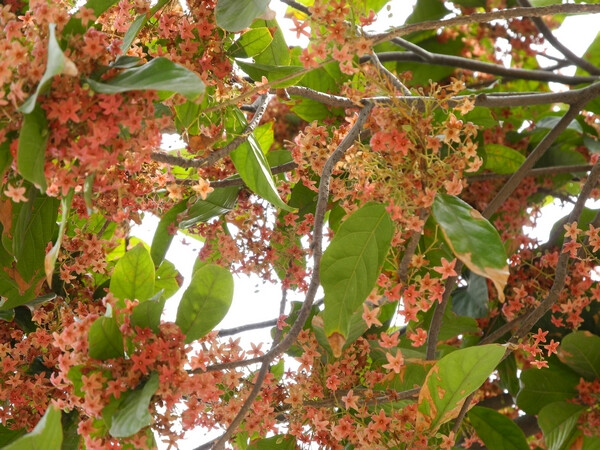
point(290, 338)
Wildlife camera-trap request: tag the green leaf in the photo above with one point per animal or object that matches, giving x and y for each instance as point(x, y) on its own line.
point(558, 421)
point(147, 314)
point(472, 300)
point(251, 43)
point(451, 380)
point(254, 169)
point(481, 116)
point(133, 31)
point(132, 414)
point(265, 137)
point(350, 267)
point(205, 302)
point(168, 279)
point(160, 74)
point(50, 259)
point(7, 436)
point(427, 10)
point(105, 339)
point(235, 15)
point(580, 351)
point(137, 25)
point(497, 431)
point(278, 52)
point(162, 236)
point(31, 153)
point(507, 370)
point(46, 434)
point(133, 276)
point(218, 202)
point(5, 156)
point(290, 75)
point(502, 159)
point(74, 25)
point(34, 227)
point(539, 387)
point(71, 438)
point(472, 239)
point(278, 442)
point(309, 110)
point(57, 63)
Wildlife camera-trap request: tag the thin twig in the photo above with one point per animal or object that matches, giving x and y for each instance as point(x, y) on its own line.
point(290, 338)
point(297, 6)
point(389, 75)
point(562, 265)
point(503, 14)
point(438, 314)
point(220, 152)
point(552, 40)
point(508, 188)
point(540, 171)
point(247, 327)
point(481, 66)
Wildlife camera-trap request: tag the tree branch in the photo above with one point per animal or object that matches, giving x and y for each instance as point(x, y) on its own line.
point(560, 273)
point(290, 338)
point(540, 171)
point(220, 152)
point(503, 14)
point(552, 40)
point(481, 66)
point(533, 157)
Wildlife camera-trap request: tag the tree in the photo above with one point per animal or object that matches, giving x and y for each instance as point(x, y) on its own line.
point(395, 169)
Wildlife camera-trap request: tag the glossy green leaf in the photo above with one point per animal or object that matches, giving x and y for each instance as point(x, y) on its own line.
point(133, 276)
point(451, 380)
point(105, 339)
point(168, 279)
point(472, 239)
point(580, 351)
point(205, 302)
point(160, 74)
point(251, 43)
point(147, 314)
point(218, 202)
point(33, 228)
point(57, 63)
point(290, 75)
point(471, 300)
point(46, 434)
point(162, 236)
point(254, 169)
point(558, 422)
point(309, 110)
point(50, 259)
point(540, 387)
point(235, 15)
point(350, 267)
point(138, 24)
point(31, 153)
point(496, 430)
point(278, 52)
point(265, 136)
point(133, 415)
point(502, 159)
point(133, 31)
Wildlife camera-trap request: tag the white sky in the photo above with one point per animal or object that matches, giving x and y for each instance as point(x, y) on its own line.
point(255, 301)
